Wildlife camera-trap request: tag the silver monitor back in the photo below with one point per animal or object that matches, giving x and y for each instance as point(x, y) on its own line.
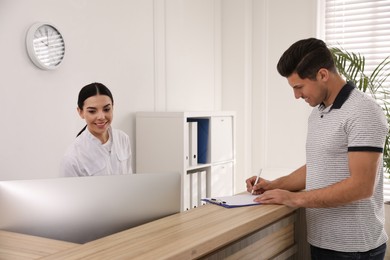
point(82, 209)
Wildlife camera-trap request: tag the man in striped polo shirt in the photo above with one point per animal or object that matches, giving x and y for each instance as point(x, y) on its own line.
point(341, 184)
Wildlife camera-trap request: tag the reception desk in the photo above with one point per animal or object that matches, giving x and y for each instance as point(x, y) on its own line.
point(20, 246)
point(207, 232)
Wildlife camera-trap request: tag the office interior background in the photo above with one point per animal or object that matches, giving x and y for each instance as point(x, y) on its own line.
point(155, 55)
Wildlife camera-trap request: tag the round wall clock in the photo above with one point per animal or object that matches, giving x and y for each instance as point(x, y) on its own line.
point(45, 46)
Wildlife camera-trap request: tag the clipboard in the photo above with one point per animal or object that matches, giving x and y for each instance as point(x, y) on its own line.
point(240, 200)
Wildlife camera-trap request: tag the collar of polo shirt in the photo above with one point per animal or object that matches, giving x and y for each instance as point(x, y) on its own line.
point(341, 97)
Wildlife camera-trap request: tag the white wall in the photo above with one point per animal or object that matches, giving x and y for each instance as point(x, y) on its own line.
point(271, 124)
point(162, 55)
point(106, 41)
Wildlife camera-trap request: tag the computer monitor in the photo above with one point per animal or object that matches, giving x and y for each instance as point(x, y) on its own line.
point(82, 209)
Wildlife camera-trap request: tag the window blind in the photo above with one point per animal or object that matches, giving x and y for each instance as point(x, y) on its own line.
point(359, 26)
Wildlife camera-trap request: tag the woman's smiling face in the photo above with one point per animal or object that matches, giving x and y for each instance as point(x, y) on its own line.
point(98, 114)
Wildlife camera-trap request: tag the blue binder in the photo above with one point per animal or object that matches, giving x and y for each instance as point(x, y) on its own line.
point(203, 140)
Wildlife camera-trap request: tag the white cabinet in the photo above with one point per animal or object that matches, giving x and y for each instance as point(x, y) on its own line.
point(199, 145)
point(221, 138)
point(221, 181)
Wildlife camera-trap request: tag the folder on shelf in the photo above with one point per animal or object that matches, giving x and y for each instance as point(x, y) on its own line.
point(194, 195)
point(202, 185)
point(193, 142)
point(203, 140)
point(187, 192)
point(187, 146)
point(240, 200)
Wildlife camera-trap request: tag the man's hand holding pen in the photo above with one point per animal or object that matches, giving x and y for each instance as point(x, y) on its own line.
point(267, 194)
point(256, 185)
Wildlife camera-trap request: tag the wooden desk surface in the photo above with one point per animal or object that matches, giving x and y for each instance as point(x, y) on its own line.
point(185, 235)
point(20, 246)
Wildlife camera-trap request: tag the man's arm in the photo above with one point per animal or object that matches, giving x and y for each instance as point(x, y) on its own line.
point(363, 167)
point(295, 181)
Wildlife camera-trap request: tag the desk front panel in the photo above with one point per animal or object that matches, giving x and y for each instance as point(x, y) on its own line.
point(191, 234)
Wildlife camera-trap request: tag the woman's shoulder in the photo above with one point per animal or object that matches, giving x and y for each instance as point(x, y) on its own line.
point(120, 138)
point(78, 143)
point(119, 133)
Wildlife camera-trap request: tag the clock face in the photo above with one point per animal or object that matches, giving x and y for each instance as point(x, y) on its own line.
point(45, 46)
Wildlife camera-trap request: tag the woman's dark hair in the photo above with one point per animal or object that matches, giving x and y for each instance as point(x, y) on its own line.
point(306, 57)
point(90, 90)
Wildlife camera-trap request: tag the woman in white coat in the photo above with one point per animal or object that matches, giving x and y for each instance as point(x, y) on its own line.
point(98, 149)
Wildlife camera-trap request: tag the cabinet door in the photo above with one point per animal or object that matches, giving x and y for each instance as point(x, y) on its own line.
point(160, 145)
point(221, 138)
point(221, 180)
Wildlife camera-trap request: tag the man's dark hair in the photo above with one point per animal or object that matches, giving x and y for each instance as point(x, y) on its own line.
point(306, 57)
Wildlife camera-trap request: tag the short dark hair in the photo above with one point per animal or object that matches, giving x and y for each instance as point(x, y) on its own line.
point(90, 90)
point(306, 57)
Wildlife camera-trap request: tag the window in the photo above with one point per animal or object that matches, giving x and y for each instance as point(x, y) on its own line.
point(358, 26)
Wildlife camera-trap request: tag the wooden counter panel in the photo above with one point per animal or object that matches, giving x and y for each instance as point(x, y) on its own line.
point(15, 246)
point(187, 235)
point(267, 243)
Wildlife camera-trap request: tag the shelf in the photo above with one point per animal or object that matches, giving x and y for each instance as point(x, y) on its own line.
point(199, 145)
point(198, 167)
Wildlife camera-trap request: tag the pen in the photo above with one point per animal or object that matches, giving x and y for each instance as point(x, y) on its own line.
point(257, 180)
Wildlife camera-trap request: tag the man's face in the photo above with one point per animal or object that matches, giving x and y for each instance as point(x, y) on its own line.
point(314, 92)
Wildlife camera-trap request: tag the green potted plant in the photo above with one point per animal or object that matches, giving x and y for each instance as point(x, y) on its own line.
point(352, 67)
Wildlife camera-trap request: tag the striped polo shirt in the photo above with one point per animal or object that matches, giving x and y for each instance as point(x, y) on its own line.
point(355, 122)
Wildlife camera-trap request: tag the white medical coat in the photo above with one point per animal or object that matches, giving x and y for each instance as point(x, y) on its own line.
point(87, 156)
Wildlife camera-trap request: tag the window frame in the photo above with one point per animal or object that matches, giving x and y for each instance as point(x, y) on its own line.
point(372, 62)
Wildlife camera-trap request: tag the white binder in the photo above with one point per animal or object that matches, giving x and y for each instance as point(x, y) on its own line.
point(194, 190)
point(193, 140)
point(187, 192)
point(202, 184)
point(187, 145)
